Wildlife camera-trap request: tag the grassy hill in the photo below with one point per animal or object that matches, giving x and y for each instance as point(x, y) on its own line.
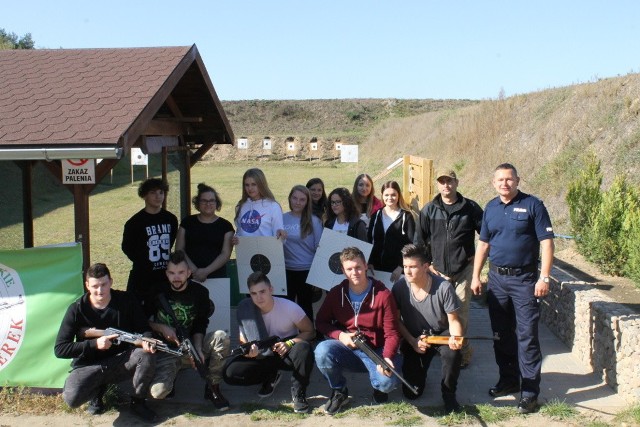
point(544, 134)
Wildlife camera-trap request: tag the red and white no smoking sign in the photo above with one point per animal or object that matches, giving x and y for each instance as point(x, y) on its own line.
point(80, 171)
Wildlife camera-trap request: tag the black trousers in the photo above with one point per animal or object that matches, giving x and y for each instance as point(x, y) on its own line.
point(514, 312)
point(299, 291)
point(416, 365)
point(243, 370)
point(84, 383)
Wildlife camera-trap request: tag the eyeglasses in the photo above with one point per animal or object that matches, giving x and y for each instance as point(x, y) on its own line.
point(336, 202)
point(208, 201)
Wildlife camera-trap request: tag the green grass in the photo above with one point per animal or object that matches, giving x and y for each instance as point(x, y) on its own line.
point(558, 410)
point(495, 414)
point(112, 204)
point(393, 411)
point(630, 416)
point(282, 413)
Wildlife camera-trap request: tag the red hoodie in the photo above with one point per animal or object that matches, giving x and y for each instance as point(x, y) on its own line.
point(377, 318)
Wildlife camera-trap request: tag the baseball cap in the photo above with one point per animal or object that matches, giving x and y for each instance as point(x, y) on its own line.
point(446, 172)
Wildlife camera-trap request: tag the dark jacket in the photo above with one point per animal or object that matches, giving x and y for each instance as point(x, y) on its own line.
point(123, 312)
point(357, 228)
point(449, 238)
point(385, 254)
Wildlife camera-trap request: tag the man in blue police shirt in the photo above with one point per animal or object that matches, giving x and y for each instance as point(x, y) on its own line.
point(515, 229)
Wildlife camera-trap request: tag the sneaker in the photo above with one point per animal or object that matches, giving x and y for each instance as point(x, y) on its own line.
point(338, 399)
point(216, 397)
point(141, 410)
point(96, 406)
point(269, 386)
point(380, 396)
point(299, 397)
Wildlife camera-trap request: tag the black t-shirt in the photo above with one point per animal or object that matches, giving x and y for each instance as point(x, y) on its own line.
point(190, 306)
point(203, 242)
point(452, 207)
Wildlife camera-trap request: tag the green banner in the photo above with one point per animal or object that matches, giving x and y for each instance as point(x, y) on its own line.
point(36, 287)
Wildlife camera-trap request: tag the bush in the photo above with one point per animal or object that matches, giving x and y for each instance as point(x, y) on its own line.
point(631, 233)
point(606, 224)
point(608, 242)
point(584, 200)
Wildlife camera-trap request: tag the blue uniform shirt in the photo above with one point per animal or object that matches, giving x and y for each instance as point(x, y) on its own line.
point(514, 230)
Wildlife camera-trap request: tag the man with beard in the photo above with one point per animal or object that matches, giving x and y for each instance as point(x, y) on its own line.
point(190, 303)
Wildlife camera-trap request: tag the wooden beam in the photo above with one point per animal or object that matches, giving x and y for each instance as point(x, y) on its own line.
point(165, 167)
point(81, 218)
point(180, 119)
point(199, 153)
point(27, 202)
point(164, 128)
point(185, 182)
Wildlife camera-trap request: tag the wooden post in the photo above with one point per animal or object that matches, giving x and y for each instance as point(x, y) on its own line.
point(417, 181)
point(27, 202)
point(81, 217)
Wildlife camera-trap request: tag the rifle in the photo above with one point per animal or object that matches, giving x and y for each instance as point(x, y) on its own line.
point(185, 342)
point(135, 339)
point(243, 349)
point(360, 340)
point(444, 339)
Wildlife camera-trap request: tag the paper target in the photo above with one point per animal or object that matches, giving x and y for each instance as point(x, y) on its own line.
point(220, 294)
point(261, 253)
point(260, 262)
point(326, 269)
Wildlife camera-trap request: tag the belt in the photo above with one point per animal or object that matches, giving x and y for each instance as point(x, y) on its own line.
point(513, 271)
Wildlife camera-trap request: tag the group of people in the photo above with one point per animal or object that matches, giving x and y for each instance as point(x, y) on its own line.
point(434, 264)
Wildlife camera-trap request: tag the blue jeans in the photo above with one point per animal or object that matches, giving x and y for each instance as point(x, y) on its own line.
point(332, 357)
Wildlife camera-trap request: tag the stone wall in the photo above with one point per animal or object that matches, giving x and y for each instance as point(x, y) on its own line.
point(601, 333)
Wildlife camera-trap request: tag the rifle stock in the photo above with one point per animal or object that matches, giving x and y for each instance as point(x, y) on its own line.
point(360, 340)
point(444, 339)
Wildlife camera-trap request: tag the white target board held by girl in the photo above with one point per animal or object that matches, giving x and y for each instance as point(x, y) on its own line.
point(261, 253)
point(326, 269)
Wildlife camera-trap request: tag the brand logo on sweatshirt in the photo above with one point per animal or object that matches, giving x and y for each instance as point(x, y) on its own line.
point(250, 221)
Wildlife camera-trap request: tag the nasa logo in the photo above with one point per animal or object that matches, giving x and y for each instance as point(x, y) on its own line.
point(13, 315)
point(250, 221)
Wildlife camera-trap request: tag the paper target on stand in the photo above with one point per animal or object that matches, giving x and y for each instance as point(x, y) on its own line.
point(326, 269)
point(261, 253)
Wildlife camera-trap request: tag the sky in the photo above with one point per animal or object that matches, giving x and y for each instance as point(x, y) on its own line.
point(261, 49)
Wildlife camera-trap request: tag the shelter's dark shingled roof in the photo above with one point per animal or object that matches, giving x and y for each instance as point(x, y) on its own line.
point(82, 96)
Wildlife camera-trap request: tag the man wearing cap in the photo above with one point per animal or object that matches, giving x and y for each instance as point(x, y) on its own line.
point(516, 228)
point(447, 227)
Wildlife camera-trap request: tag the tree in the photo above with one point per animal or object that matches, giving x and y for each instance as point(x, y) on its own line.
point(12, 41)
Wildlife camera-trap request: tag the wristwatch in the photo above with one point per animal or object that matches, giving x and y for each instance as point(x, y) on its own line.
point(545, 279)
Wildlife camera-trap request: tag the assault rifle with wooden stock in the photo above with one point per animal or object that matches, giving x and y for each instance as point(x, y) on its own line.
point(135, 339)
point(360, 340)
point(444, 339)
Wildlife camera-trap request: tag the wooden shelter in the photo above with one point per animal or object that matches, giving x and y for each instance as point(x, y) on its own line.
point(97, 104)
